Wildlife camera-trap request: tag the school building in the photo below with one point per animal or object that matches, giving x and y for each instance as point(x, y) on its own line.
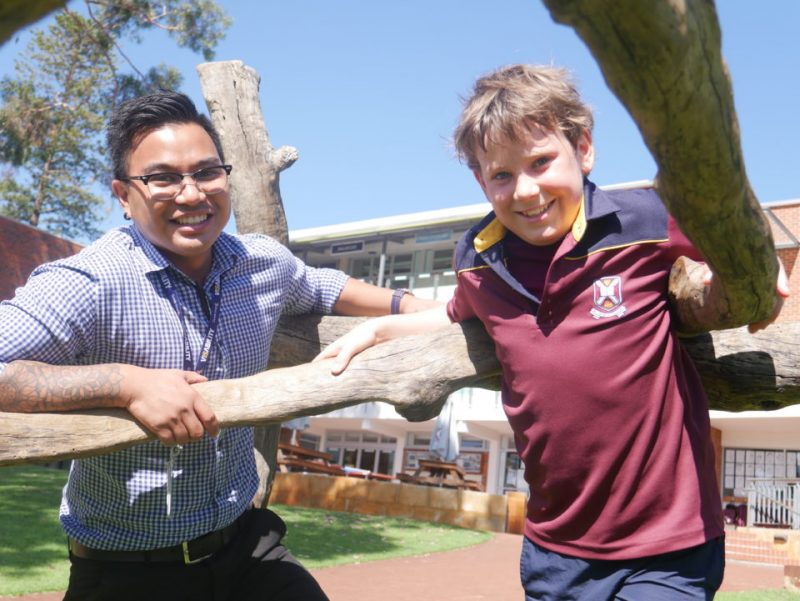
point(415, 251)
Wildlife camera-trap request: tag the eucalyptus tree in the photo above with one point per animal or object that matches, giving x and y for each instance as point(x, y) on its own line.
point(66, 83)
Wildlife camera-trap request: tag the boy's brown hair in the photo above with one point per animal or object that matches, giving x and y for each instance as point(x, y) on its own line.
point(517, 96)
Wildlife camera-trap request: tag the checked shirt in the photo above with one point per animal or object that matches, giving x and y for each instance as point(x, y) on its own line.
point(107, 304)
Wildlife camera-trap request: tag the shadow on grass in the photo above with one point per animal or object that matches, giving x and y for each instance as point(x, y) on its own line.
point(31, 533)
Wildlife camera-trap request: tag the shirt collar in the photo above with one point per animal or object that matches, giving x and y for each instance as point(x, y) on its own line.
point(594, 204)
point(226, 252)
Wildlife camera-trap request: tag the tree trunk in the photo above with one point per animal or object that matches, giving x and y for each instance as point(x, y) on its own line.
point(231, 89)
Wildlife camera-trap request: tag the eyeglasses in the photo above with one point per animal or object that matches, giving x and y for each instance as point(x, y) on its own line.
point(167, 185)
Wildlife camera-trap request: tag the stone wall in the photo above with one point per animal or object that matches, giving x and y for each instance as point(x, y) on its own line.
point(465, 508)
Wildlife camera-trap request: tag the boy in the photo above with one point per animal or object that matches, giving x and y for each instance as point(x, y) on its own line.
point(122, 324)
point(607, 409)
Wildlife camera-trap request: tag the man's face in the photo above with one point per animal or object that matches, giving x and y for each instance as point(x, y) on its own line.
point(183, 228)
point(535, 184)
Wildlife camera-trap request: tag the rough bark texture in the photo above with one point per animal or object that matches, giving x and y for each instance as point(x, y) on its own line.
point(231, 90)
point(765, 376)
point(663, 61)
point(16, 14)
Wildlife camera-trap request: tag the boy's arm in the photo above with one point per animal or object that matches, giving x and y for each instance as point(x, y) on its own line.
point(162, 400)
point(381, 329)
point(360, 299)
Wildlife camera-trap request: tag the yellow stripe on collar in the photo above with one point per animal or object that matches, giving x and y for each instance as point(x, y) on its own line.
point(489, 236)
point(579, 227)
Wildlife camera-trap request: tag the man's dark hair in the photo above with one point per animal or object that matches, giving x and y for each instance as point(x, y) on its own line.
point(139, 116)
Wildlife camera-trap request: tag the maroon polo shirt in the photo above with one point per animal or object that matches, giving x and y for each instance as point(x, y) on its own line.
point(607, 409)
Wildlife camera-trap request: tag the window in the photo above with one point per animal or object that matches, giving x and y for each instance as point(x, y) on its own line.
point(326, 265)
point(401, 265)
point(443, 260)
point(308, 441)
point(362, 450)
point(467, 442)
point(742, 466)
point(364, 269)
point(419, 440)
point(514, 476)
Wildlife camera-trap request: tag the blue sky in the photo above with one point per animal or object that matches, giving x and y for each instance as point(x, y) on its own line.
point(369, 93)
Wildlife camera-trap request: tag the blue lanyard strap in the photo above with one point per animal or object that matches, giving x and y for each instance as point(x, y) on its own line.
point(214, 303)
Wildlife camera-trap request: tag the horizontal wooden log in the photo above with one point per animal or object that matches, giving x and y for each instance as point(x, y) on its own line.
point(395, 373)
point(415, 374)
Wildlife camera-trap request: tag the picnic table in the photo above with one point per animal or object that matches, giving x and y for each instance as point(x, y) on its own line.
point(439, 473)
point(294, 458)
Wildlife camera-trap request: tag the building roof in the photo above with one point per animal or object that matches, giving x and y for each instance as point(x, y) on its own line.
point(23, 248)
point(466, 215)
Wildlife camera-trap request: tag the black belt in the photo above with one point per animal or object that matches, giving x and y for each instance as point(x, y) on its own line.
point(187, 552)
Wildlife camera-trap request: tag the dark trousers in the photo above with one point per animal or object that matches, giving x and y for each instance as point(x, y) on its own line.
point(693, 574)
point(253, 566)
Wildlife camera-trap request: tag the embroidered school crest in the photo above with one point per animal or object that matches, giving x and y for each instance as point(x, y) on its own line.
point(608, 298)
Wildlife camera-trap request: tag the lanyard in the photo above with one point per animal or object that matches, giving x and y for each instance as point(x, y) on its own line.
point(214, 303)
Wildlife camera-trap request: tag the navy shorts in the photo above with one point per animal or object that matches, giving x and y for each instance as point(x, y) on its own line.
point(691, 574)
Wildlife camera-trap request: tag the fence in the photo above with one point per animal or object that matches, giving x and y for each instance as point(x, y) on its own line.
point(465, 508)
point(774, 502)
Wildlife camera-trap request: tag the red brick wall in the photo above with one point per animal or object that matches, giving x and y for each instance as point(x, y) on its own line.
point(22, 249)
point(789, 215)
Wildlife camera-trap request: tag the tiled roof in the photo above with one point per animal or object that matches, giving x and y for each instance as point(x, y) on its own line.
point(22, 249)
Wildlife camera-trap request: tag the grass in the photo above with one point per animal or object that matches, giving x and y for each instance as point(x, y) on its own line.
point(33, 554)
point(327, 538)
point(33, 551)
point(767, 595)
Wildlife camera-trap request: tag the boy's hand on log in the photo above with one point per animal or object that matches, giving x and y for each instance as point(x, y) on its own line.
point(164, 402)
point(781, 291)
point(343, 349)
point(374, 331)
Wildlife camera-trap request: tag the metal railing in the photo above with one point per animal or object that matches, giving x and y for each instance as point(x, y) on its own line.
point(774, 502)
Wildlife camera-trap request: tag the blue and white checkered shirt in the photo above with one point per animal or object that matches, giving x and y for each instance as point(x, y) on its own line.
point(106, 305)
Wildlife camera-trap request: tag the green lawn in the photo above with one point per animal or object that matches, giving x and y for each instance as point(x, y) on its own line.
point(33, 555)
point(33, 550)
point(770, 595)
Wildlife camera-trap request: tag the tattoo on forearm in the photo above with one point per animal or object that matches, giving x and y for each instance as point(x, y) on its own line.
point(30, 387)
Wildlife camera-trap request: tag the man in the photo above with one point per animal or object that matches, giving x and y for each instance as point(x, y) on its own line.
point(131, 322)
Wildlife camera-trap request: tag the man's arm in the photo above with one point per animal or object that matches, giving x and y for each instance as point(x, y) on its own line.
point(162, 400)
point(381, 329)
point(361, 299)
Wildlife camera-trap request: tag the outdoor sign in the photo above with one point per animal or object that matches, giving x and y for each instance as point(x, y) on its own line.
point(434, 236)
point(347, 247)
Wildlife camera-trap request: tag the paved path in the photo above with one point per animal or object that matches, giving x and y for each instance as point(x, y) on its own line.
point(489, 571)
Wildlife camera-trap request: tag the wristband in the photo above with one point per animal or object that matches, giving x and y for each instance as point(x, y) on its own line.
point(396, 296)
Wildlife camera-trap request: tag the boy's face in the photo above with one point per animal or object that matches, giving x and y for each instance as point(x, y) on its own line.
point(535, 184)
point(183, 228)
